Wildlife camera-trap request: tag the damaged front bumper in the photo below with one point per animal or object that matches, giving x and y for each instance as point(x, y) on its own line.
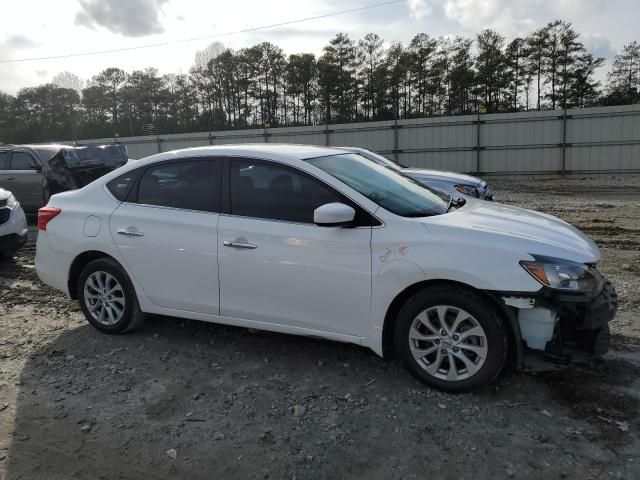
point(554, 329)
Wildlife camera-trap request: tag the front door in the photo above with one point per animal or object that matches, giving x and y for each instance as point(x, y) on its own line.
point(166, 234)
point(277, 266)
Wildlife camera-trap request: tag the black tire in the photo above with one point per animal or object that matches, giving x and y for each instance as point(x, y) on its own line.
point(483, 312)
point(132, 316)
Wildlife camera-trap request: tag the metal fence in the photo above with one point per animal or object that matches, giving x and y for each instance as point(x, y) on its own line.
point(588, 140)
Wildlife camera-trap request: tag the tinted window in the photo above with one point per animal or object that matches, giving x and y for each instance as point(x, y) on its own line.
point(4, 161)
point(22, 161)
point(120, 186)
point(390, 189)
point(266, 190)
point(187, 184)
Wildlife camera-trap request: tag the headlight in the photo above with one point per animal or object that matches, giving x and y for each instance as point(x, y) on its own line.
point(467, 190)
point(563, 274)
point(12, 202)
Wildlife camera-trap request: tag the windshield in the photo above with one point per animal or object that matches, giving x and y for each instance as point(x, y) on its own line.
point(389, 188)
point(380, 160)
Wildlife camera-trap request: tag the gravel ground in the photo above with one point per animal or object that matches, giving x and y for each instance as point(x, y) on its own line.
point(182, 399)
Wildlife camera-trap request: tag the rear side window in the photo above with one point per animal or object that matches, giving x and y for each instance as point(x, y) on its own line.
point(189, 185)
point(270, 191)
point(22, 161)
point(121, 185)
point(4, 160)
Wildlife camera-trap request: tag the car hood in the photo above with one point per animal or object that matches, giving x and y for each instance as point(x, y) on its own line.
point(536, 232)
point(442, 175)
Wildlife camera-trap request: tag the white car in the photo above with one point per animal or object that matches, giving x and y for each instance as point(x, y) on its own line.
point(13, 224)
point(319, 242)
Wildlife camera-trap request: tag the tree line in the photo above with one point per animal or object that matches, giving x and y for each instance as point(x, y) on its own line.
point(351, 81)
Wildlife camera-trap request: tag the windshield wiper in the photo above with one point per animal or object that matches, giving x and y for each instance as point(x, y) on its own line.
point(455, 202)
point(418, 214)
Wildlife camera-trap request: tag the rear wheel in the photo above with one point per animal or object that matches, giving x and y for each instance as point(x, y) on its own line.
point(107, 297)
point(451, 339)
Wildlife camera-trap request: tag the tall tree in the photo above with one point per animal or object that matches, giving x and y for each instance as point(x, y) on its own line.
point(111, 80)
point(337, 77)
point(584, 90)
point(536, 47)
point(422, 50)
point(624, 77)
point(301, 81)
point(68, 80)
point(371, 57)
point(461, 77)
point(514, 57)
point(490, 64)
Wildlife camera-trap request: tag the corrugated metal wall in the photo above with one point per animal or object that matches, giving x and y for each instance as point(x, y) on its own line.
point(602, 139)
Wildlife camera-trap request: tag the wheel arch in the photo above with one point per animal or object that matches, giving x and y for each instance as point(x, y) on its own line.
point(78, 264)
point(514, 343)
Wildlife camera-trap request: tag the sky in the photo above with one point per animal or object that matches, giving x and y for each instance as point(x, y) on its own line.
point(47, 28)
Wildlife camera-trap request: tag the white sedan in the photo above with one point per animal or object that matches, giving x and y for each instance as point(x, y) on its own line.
point(320, 242)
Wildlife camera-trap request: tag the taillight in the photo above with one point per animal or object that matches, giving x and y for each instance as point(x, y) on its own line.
point(45, 215)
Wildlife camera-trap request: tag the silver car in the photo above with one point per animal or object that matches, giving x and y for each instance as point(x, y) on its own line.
point(451, 183)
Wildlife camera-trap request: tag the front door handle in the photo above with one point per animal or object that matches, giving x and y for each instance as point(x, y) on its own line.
point(10, 179)
point(239, 243)
point(130, 232)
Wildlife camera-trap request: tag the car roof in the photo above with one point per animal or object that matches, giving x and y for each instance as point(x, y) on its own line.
point(43, 151)
point(266, 150)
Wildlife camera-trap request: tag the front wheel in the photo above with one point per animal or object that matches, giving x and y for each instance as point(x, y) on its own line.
point(450, 338)
point(107, 297)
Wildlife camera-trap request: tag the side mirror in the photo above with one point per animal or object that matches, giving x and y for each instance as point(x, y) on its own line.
point(334, 215)
point(36, 167)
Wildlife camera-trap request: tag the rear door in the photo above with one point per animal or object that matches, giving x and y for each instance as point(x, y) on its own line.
point(166, 233)
point(24, 179)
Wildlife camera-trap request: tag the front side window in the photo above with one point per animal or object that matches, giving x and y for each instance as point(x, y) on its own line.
point(270, 191)
point(188, 185)
point(22, 161)
point(390, 189)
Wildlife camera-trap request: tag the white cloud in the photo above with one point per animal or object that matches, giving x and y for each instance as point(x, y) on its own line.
point(509, 17)
point(131, 18)
point(419, 9)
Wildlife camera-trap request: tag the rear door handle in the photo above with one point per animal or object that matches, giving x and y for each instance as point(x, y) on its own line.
point(9, 179)
point(130, 232)
point(239, 243)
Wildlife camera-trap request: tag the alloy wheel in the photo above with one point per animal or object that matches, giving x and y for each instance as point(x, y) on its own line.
point(448, 343)
point(104, 298)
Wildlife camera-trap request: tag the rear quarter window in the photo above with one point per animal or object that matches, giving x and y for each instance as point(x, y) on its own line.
point(120, 186)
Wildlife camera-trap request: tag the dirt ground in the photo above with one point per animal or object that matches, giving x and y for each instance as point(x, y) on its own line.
point(183, 399)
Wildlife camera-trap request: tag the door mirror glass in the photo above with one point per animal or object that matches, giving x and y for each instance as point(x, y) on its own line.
point(334, 215)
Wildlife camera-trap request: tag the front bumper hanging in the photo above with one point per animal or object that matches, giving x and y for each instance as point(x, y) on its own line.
point(578, 332)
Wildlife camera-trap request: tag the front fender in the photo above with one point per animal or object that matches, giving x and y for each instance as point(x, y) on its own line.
point(389, 280)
